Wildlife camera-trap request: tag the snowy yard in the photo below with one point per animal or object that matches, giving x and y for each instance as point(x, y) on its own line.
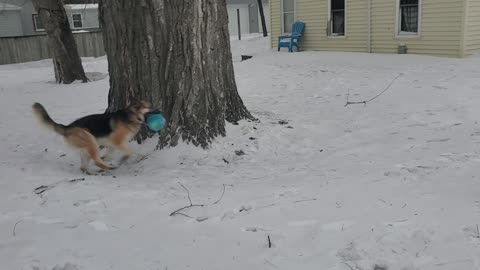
point(392, 185)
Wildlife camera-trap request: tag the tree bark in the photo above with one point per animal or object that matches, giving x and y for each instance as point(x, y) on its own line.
point(262, 18)
point(66, 60)
point(175, 54)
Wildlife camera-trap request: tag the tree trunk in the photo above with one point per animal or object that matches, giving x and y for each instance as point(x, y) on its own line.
point(262, 18)
point(66, 61)
point(177, 55)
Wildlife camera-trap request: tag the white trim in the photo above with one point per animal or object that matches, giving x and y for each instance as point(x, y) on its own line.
point(81, 6)
point(282, 13)
point(73, 21)
point(35, 28)
point(398, 33)
point(330, 22)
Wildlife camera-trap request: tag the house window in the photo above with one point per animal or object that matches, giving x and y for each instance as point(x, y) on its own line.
point(37, 23)
point(409, 16)
point(77, 20)
point(288, 15)
point(336, 17)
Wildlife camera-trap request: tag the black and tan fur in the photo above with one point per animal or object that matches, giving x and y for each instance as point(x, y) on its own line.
point(112, 130)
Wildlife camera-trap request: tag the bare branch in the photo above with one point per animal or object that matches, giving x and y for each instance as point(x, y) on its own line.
point(179, 211)
point(305, 200)
point(379, 94)
point(15, 226)
point(349, 266)
point(188, 193)
point(223, 192)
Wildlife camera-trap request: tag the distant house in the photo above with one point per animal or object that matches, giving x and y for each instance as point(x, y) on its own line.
point(19, 18)
point(249, 16)
point(434, 27)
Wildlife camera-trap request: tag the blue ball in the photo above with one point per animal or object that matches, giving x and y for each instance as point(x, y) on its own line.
point(156, 121)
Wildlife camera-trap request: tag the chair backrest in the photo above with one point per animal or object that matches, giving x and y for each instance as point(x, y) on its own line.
point(298, 28)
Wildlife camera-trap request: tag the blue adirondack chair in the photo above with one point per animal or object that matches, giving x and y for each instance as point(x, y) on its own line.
point(290, 41)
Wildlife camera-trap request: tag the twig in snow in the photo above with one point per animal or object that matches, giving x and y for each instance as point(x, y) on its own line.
point(305, 200)
point(179, 211)
point(268, 262)
point(221, 196)
point(269, 242)
point(15, 226)
point(188, 193)
point(364, 102)
point(349, 266)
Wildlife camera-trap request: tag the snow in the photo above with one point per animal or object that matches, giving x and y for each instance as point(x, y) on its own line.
point(390, 185)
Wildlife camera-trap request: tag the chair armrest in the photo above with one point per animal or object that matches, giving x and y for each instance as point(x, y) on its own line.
point(284, 36)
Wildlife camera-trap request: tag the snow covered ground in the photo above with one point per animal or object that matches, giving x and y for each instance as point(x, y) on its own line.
point(390, 185)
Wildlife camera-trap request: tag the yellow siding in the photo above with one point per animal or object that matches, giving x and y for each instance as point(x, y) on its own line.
point(472, 28)
point(275, 21)
point(440, 28)
point(315, 15)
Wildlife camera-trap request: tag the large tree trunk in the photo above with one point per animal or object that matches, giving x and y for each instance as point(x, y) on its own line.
point(177, 55)
point(66, 61)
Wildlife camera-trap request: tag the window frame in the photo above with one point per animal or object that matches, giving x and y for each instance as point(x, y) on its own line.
point(73, 21)
point(330, 34)
point(282, 13)
point(35, 28)
point(398, 24)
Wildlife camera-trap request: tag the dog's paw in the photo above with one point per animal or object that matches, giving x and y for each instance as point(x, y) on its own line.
point(106, 158)
point(87, 172)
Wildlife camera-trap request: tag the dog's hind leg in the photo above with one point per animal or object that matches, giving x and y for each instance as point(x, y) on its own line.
point(93, 152)
point(86, 143)
point(85, 159)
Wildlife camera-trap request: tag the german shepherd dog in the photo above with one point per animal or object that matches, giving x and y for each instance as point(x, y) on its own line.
point(112, 130)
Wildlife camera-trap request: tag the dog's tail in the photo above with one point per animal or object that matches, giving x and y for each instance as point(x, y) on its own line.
point(42, 115)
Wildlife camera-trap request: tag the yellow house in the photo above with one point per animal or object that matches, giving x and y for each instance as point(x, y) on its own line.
point(434, 27)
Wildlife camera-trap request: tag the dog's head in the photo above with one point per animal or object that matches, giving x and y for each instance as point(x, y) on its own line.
point(138, 109)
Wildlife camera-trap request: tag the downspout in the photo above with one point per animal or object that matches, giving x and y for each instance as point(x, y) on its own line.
point(369, 27)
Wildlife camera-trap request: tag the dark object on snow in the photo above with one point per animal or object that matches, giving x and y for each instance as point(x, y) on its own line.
point(76, 180)
point(246, 57)
point(269, 242)
point(39, 190)
point(283, 122)
point(239, 152)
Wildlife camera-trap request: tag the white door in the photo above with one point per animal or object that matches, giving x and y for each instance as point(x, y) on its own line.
point(233, 19)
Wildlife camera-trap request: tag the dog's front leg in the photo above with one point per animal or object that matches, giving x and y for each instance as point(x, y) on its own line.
point(109, 153)
point(126, 152)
